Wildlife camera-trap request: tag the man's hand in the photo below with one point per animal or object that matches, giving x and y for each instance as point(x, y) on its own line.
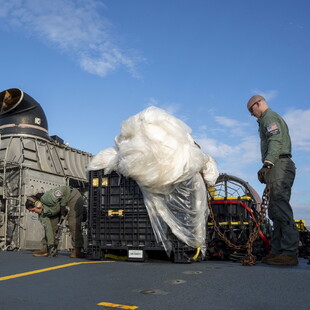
point(262, 172)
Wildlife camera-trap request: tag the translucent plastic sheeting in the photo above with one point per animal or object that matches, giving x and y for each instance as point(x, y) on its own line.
point(184, 210)
point(157, 151)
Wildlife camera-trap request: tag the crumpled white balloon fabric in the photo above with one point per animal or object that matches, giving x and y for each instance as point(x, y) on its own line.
point(157, 151)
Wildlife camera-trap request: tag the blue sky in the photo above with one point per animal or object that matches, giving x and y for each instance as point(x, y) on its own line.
point(93, 64)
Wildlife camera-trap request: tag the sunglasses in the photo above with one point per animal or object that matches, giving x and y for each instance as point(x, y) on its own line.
point(251, 108)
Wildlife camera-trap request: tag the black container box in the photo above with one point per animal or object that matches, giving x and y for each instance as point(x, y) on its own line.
point(118, 222)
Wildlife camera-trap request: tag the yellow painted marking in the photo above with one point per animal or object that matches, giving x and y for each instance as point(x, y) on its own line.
point(108, 304)
point(119, 212)
point(231, 198)
point(49, 269)
point(232, 223)
point(95, 182)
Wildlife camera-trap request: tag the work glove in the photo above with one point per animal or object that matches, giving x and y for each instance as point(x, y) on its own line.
point(262, 172)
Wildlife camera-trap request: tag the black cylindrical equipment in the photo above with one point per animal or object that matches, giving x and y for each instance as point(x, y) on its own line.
point(21, 114)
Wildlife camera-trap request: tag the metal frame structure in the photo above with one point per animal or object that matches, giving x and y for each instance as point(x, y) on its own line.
point(30, 164)
point(31, 161)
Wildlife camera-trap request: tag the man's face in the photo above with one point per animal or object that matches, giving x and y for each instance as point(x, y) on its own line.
point(255, 110)
point(35, 210)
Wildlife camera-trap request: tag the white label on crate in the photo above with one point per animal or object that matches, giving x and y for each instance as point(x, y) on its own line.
point(135, 254)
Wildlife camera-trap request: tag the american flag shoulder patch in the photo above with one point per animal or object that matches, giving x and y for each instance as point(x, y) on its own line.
point(273, 129)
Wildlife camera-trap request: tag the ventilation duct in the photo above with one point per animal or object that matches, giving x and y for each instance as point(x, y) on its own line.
point(21, 114)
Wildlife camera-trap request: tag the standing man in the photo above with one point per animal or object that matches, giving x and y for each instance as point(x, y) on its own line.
point(51, 204)
point(278, 172)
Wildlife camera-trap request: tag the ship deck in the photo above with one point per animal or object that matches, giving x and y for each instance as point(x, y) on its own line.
point(61, 282)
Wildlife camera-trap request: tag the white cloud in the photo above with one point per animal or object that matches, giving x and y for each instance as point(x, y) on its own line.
point(298, 122)
point(228, 122)
point(236, 127)
point(247, 151)
point(170, 107)
point(216, 148)
point(268, 95)
point(233, 144)
point(75, 27)
point(152, 101)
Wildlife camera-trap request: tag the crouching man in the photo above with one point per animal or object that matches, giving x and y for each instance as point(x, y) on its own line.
point(50, 205)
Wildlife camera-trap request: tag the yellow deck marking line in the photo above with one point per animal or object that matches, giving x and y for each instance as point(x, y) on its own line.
point(48, 269)
point(108, 304)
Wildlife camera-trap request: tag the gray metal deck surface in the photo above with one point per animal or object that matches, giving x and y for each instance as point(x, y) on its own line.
point(154, 285)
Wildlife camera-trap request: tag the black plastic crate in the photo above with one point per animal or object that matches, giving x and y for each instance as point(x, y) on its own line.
point(118, 219)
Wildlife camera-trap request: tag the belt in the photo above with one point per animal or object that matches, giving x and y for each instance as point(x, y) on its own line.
point(285, 156)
